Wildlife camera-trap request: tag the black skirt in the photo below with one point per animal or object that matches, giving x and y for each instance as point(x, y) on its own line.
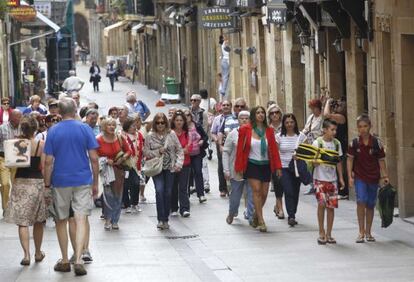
point(258, 172)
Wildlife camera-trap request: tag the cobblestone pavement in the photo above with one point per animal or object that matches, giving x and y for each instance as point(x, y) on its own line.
point(204, 247)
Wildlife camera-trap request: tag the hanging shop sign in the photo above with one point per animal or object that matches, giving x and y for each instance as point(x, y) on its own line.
point(44, 7)
point(276, 15)
point(23, 13)
point(211, 18)
point(13, 3)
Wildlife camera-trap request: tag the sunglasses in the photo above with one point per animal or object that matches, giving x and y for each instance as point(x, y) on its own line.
point(194, 100)
point(273, 113)
point(160, 123)
point(240, 106)
point(6, 103)
point(54, 120)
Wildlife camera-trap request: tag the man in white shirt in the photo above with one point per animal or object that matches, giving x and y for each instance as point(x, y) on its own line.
point(72, 83)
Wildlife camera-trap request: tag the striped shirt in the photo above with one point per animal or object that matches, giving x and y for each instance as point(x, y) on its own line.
point(287, 146)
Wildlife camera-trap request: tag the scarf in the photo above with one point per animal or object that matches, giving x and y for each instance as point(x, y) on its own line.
point(262, 135)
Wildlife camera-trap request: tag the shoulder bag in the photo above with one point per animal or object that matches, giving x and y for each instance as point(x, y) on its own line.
point(153, 167)
point(127, 164)
point(17, 152)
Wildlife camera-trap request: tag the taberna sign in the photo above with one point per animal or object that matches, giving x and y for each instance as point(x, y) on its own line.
point(215, 17)
point(276, 15)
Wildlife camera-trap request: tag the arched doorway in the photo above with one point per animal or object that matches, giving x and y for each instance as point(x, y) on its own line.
point(82, 30)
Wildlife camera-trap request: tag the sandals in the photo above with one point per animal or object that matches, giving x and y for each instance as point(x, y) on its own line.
point(25, 262)
point(370, 238)
point(321, 241)
point(360, 239)
point(40, 258)
point(278, 213)
point(331, 240)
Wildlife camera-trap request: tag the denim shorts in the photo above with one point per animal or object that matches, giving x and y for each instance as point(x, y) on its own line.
point(366, 193)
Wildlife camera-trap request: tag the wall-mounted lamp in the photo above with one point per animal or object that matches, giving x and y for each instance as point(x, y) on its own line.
point(338, 45)
point(312, 41)
point(359, 40)
point(251, 50)
point(304, 38)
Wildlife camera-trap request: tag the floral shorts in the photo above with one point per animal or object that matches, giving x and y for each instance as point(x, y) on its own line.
point(326, 193)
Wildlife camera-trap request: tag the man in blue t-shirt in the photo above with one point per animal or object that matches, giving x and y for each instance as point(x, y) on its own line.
point(70, 153)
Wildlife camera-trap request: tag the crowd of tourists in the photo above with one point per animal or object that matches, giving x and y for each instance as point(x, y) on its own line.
point(80, 159)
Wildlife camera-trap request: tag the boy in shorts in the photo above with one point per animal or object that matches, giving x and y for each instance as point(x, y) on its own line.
point(366, 167)
point(325, 179)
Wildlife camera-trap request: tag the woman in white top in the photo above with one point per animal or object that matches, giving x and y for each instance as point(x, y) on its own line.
point(274, 114)
point(313, 127)
point(288, 140)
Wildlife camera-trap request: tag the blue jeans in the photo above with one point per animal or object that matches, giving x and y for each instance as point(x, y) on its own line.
point(236, 193)
point(197, 167)
point(180, 191)
point(163, 183)
point(112, 203)
point(291, 187)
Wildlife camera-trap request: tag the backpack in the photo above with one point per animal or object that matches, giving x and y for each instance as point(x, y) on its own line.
point(336, 142)
point(376, 146)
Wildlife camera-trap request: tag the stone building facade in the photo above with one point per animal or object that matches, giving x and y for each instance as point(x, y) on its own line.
point(292, 51)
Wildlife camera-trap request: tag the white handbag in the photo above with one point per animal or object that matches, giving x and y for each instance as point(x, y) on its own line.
point(17, 152)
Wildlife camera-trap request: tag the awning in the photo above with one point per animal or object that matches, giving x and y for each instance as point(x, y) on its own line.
point(136, 28)
point(114, 26)
point(44, 19)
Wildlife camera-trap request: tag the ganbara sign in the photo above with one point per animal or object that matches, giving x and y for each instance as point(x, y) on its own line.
point(13, 3)
point(23, 13)
point(211, 18)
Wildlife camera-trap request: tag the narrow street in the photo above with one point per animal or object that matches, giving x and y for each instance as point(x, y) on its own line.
point(204, 247)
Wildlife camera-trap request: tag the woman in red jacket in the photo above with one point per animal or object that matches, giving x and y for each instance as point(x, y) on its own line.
point(257, 158)
point(5, 110)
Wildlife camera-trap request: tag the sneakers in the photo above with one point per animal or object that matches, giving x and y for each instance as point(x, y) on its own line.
point(86, 257)
point(207, 190)
point(192, 190)
point(136, 209)
point(163, 225)
point(128, 210)
point(79, 269)
point(202, 199)
point(115, 226)
point(107, 226)
point(142, 199)
point(311, 191)
point(292, 222)
point(186, 214)
point(174, 213)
